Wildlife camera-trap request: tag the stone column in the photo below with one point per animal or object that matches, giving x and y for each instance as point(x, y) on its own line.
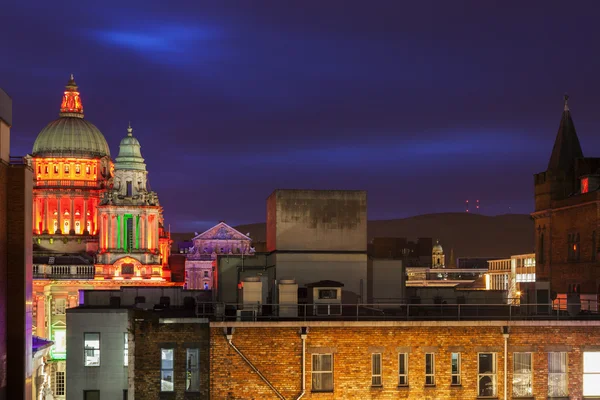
point(122, 231)
point(108, 230)
point(40, 317)
point(59, 215)
point(136, 239)
point(72, 222)
point(46, 218)
point(142, 232)
point(85, 216)
point(34, 222)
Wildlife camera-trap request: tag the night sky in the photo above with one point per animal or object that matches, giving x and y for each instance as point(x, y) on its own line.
point(423, 104)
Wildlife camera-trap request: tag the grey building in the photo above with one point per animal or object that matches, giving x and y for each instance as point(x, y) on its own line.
point(97, 353)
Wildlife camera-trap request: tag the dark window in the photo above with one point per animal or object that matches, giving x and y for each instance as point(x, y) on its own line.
point(140, 299)
point(327, 294)
point(91, 395)
point(541, 249)
point(165, 300)
point(129, 234)
point(125, 394)
point(127, 269)
point(594, 246)
point(129, 189)
point(115, 301)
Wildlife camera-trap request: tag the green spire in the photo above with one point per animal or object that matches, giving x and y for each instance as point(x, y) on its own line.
point(130, 156)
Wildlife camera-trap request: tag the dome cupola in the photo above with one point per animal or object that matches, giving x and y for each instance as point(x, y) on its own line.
point(71, 135)
point(130, 156)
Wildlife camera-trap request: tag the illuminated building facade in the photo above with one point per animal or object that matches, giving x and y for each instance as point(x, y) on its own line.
point(438, 260)
point(200, 263)
point(131, 219)
point(95, 225)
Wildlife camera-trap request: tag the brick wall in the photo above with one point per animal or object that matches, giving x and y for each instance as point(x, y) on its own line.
point(150, 335)
point(275, 350)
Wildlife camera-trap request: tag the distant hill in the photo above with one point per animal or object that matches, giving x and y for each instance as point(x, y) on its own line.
point(471, 235)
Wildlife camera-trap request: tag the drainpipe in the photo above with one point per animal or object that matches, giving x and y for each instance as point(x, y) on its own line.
point(303, 334)
point(229, 335)
point(505, 335)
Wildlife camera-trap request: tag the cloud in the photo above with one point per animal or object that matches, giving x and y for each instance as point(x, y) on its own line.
point(159, 41)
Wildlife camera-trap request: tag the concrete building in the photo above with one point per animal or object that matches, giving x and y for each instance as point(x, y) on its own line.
point(15, 265)
point(566, 216)
point(97, 353)
point(315, 235)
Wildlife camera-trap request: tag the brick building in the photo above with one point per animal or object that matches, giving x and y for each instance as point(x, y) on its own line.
point(404, 359)
point(566, 221)
point(15, 265)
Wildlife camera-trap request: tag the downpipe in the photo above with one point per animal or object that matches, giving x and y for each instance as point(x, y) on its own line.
point(303, 334)
point(505, 335)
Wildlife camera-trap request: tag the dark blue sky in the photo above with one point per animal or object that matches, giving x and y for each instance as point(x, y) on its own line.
point(423, 104)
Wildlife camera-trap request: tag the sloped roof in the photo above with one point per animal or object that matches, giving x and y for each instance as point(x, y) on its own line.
point(566, 146)
point(222, 231)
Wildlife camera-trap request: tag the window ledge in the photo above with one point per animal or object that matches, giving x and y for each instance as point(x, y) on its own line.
point(430, 386)
point(402, 386)
point(376, 386)
point(456, 385)
point(321, 391)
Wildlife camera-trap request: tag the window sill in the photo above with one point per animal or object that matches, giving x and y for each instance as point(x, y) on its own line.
point(456, 385)
point(376, 386)
point(402, 386)
point(429, 386)
point(321, 391)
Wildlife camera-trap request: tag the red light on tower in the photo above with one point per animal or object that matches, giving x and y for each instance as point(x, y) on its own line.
point(477, 206)
point(467, 206)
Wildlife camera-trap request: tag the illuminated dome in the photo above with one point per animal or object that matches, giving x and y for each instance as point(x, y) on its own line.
point(71, 135)
point(437, 248)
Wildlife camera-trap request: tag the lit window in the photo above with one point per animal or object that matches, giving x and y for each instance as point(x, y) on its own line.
point(585, 185)
point(486, 378)
point(591, 373)
point(557, 375)
point(91, 344)
point(87, 169)
point(455, 368)
point(522, 375)
point(59, 383)
point(77, 168)
point(376, 369)
point(67, 168)
point(403, 369)
point(59, 348)
point(322, 372)
point(56, 169)
point(46, 169)
point(192, 380)
point(206, 274)
point(166, 370)
point(125, 349)
point(429, 369)
point(60, 305)
point(327, 294)
point(77, 227)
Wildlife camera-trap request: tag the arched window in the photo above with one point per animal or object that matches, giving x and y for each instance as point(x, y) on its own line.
point(56, 168)
point(78, 227)
point(87, 169)
point(67, 168)
point(77, 168)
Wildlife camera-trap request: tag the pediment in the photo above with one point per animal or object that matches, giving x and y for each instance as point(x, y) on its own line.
point(221, 231)
point(59, 324)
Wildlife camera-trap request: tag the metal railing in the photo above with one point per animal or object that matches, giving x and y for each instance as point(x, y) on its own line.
point(398, 311)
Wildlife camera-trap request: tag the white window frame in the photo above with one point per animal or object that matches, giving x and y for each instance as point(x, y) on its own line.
point(455, 375)
point(522, 381)
point(402, 364)
point(430, 376)
point(59, 383)
point(164, 368)
point(376, 373)
point(591, 373)
point(191, 370)
point(125, 349)
point(558, 383)
point(91, 350)
point(492, 374)
point(314, 356)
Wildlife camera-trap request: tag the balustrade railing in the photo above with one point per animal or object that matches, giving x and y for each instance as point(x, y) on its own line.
point(63, 271)
point(66, 182)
